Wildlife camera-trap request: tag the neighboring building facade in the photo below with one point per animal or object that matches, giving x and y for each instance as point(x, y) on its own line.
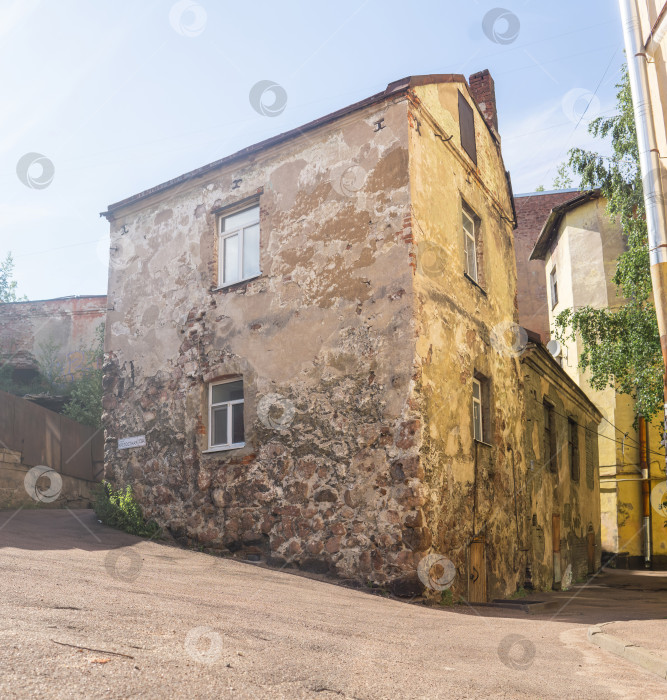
point(561, 449)
point(311, 335)
point(580, 246)
point(69, 324)
point(532, 211)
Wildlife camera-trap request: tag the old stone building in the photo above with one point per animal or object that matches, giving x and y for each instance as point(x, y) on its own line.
point(562, 485)
point(67, 326)
point(578, 247)
point(315, 342)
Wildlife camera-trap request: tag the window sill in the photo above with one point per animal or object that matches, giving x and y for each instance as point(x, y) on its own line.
point(226, 448)
point(234, 285)
point(472, 281)
point(481, 442)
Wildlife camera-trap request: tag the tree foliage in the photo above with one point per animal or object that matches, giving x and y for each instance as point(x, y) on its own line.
point(85, 402)
point(83, 392)
point(563, 179)
point(621, 346)
point(7, 284)
point(118, 508)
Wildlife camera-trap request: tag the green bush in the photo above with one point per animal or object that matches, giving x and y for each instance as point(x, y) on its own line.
point(117, 508)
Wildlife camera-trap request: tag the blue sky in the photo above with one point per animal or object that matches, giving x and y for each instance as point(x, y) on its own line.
point(121, 95)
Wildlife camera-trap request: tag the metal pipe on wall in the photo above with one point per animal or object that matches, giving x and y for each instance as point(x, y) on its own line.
point(646, 490)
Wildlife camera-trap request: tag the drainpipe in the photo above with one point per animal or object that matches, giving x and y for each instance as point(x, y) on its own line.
point(555, 542)
point(646, 490)
point(649, 162)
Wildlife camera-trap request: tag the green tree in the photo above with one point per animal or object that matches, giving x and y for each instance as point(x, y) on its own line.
point(621, 347)
point(563, 179)
point(85, 398)
point(49, 361)
point(7, 284)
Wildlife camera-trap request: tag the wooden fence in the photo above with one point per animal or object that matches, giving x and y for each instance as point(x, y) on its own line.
point(50, 439)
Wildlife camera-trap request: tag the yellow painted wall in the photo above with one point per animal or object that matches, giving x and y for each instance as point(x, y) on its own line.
point(459, 333)
point(585, 253)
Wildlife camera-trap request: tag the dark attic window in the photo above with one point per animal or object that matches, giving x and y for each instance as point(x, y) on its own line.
point(467, 127)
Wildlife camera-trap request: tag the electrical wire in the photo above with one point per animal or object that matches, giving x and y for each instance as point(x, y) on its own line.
point(594, 432)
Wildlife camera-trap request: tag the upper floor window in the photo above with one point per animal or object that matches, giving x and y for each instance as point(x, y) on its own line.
point(225, 425)
point(467, 128)
point(470, 245)
point(238, 249)
point(553, 285)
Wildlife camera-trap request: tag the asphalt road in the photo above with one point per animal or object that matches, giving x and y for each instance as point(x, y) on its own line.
point(88, 612)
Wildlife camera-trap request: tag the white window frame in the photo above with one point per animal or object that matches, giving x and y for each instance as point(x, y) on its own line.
point(477, 403)
point(553, 285)
point(238, 231)
point(468, 236)
point(228, 404)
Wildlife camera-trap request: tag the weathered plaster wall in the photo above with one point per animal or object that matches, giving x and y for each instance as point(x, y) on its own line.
point(70, 323)
point(328, 327)
point(553, 491)
point(465, 328)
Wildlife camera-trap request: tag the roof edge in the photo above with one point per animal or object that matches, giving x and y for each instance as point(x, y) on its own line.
point(43, 301)
point(537, 348)
point(552, 223)
point(540, 193)
point(393, 89)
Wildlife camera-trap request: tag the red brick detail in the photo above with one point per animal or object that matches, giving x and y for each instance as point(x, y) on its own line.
point(483, 89)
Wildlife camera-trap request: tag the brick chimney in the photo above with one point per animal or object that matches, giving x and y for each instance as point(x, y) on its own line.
point(483, 90)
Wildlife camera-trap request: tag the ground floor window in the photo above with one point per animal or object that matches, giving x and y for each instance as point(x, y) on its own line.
point(225, 427)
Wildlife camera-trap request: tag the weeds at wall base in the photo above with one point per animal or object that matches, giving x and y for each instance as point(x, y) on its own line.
point(119, 509)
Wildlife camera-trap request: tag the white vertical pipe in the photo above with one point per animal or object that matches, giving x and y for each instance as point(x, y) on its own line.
point(649, 160)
